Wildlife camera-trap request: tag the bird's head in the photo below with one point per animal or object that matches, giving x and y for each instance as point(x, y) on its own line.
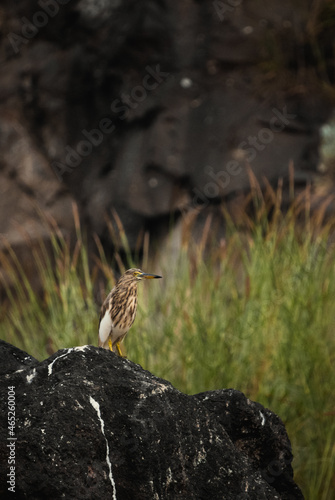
point(134, 275)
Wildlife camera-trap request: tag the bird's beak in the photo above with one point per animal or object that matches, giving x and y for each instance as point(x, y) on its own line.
point(147, 276)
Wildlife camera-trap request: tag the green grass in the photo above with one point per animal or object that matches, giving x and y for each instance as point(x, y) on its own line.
point(255, 312)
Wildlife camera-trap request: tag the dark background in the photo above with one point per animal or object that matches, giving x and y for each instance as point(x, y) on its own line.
point(173, 100)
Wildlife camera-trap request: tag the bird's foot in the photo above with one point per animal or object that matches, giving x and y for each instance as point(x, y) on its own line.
point(119, 351)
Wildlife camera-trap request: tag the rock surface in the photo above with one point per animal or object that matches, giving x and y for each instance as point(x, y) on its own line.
point(91, 425)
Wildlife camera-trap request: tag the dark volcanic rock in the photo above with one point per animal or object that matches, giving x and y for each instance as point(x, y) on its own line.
point(12, 359)
point(92, 425)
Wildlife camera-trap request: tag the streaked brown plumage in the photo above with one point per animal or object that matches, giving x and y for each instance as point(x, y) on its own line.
point(119, 309)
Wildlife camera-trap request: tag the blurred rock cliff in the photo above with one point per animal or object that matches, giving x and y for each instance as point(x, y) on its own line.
point(154, 107)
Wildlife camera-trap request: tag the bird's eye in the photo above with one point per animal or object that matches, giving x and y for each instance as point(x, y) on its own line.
point(136, 273)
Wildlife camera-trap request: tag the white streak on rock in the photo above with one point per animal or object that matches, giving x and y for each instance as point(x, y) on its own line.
point(31, 377)
point(79, 348)
point(59, 357)
point(96, 406)
point(72, 349)
point(262, 417)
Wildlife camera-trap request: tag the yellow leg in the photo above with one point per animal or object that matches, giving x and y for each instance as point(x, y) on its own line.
point(119, 349)
point(110, 344)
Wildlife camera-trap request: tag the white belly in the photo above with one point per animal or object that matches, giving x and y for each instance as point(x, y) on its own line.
point(107, 329)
